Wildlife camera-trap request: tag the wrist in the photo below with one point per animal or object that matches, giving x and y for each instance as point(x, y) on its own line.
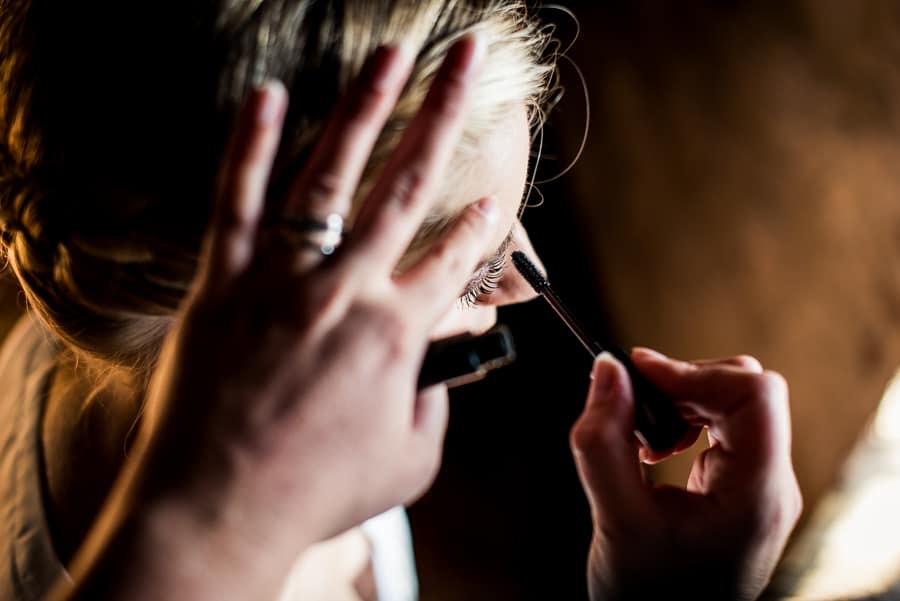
point(181, 542)
point(210, 554)
point(222, 520)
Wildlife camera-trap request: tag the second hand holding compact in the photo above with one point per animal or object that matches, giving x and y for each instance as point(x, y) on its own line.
point(656, 421)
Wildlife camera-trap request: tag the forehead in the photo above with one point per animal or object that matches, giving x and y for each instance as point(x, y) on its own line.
point(497, 166)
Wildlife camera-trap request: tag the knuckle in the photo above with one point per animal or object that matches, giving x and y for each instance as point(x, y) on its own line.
point(314, 307)
point(767, 386)
point(394, 333)
point(775, 385)
point(471, 223)
point(453, 252)
point(448, 103)
point(363, 107)
point(326, 189)
point(577, 438)
point(332, 296)
point(446, 254)
point(244, 181)
point(586, 438)
point(409, 186)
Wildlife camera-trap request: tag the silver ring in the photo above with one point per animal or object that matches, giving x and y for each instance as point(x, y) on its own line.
point(321, 235)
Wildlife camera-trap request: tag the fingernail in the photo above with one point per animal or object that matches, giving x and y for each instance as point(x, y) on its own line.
point(488, 208)
point(604, 372)
point(271, 102)
point(391, 64)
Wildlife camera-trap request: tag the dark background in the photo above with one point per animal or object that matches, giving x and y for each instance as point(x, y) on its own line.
point(507, 518)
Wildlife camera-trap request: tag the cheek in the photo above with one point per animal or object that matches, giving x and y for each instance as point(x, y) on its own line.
point(459, 320)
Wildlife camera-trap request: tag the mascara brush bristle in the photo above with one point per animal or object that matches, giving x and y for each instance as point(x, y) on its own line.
point(530, 272)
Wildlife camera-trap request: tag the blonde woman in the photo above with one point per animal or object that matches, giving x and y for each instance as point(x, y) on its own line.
point(263, 382)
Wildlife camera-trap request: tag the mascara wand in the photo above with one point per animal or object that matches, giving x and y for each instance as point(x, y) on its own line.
point(656, 421)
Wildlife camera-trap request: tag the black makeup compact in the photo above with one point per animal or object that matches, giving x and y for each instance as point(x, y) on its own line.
point(466, 358)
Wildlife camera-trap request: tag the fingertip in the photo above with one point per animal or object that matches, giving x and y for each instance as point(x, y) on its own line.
point(466, 56)
point(607, 386)
point(273, 86)
point(643, 452)
point(604, 364)
point(480, 47)
point(271, 102)
point(470, 234)
point(474, 46)
point(406, 51)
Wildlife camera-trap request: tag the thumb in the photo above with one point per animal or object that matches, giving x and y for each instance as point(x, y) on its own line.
point(604, 445)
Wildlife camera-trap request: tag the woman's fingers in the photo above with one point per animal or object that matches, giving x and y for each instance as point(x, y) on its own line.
point(329, 180)
point(242, 184)
point(438, 279)
point(746, 410)
point(747, 362)
point(604, 445)
point(402, 196)
point(742, 361)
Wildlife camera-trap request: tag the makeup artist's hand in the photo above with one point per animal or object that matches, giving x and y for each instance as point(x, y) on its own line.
point(719, 538)
point(284, 408)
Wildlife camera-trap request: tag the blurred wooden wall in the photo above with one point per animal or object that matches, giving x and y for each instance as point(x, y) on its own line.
point(741, 193)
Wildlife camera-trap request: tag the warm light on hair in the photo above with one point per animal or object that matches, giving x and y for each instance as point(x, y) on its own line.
point(110, 138)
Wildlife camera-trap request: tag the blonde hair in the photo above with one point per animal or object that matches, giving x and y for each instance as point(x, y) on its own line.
point(110, 139)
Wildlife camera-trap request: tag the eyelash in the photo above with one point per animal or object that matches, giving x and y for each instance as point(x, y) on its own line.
point(490, 281)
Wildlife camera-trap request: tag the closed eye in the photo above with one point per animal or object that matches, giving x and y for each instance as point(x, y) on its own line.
point(485, 282)
point(487, 277)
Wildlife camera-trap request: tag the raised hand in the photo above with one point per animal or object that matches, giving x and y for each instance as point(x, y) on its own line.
point(721, 536)
point(284, 408)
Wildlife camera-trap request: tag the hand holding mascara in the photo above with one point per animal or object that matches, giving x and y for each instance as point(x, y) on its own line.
point(657, 423)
